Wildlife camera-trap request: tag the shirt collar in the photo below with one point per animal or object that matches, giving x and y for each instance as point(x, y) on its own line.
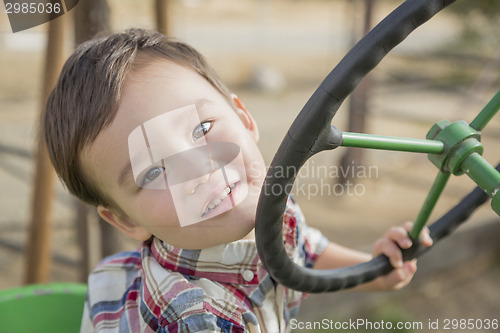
point(235, 263)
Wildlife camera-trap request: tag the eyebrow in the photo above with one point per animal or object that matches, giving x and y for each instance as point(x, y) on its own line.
point(125, 175)
point(126, 172)
point(203, 103)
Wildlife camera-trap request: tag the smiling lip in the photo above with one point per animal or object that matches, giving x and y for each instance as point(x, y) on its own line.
point(224, 195)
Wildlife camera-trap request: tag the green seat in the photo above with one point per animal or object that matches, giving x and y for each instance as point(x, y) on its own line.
point(42, 308)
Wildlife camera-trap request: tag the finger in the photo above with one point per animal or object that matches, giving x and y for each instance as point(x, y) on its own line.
point(425, 237)
point(408, 226)
point(392, 251)
point(411, 266)
point(400, 236)
point(407, 273)
point(398, 278)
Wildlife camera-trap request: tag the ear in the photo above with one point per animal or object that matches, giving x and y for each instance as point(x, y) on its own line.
point(124, 224)
point(246, 117)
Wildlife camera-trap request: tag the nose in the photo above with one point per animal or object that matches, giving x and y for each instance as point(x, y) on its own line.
point(191, 186)
point(190, 168)
point(198, 169)
point(194, 166)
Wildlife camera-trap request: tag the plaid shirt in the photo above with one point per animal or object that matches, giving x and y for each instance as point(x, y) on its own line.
point(224, 288)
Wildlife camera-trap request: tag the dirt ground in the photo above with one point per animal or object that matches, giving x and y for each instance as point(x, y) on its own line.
point(295, 44)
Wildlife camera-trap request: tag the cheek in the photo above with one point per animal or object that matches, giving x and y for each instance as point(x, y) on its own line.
point(235, 132)
point(254, 161)
point(154, 208)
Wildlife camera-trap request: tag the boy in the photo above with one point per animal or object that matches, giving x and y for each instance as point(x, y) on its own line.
point(141, 127)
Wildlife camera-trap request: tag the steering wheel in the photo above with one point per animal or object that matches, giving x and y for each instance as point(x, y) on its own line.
point(455, 148)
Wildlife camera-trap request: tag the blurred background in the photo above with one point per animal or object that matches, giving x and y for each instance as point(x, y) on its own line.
point(274, 54)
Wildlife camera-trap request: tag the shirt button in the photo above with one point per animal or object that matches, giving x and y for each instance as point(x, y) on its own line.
point(248, 275)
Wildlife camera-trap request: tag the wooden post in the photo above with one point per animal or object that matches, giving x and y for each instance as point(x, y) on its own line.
point(38, 260)
point(358, 109)
point(161, 13)
point(91, 17)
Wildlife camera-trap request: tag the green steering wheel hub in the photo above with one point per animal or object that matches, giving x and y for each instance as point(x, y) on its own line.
point(460, 141)
point(462, 154)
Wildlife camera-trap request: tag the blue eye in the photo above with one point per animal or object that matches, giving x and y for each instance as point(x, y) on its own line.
point(152, 174)
point(202, 129)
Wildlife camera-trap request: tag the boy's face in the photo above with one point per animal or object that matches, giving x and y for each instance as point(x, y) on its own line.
point(178, 160)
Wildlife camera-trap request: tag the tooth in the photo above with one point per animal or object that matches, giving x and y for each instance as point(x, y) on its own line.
point(223, 195)
point(214, 203)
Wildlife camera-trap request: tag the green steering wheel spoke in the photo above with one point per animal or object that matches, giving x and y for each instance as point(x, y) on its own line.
point(486, 113)
point(429, 203)
point(482, 173)
point(361, 140)
point(452, 147)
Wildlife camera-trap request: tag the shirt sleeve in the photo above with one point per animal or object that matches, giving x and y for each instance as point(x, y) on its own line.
point(86, 325)
point(309, 241)
point(314, 244)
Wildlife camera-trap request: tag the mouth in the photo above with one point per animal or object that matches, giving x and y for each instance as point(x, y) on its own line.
point(222, 197)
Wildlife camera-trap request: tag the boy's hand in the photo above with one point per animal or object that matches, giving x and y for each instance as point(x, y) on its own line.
point(388, 245)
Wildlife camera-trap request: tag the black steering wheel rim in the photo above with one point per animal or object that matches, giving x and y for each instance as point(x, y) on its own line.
point(311, 132)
